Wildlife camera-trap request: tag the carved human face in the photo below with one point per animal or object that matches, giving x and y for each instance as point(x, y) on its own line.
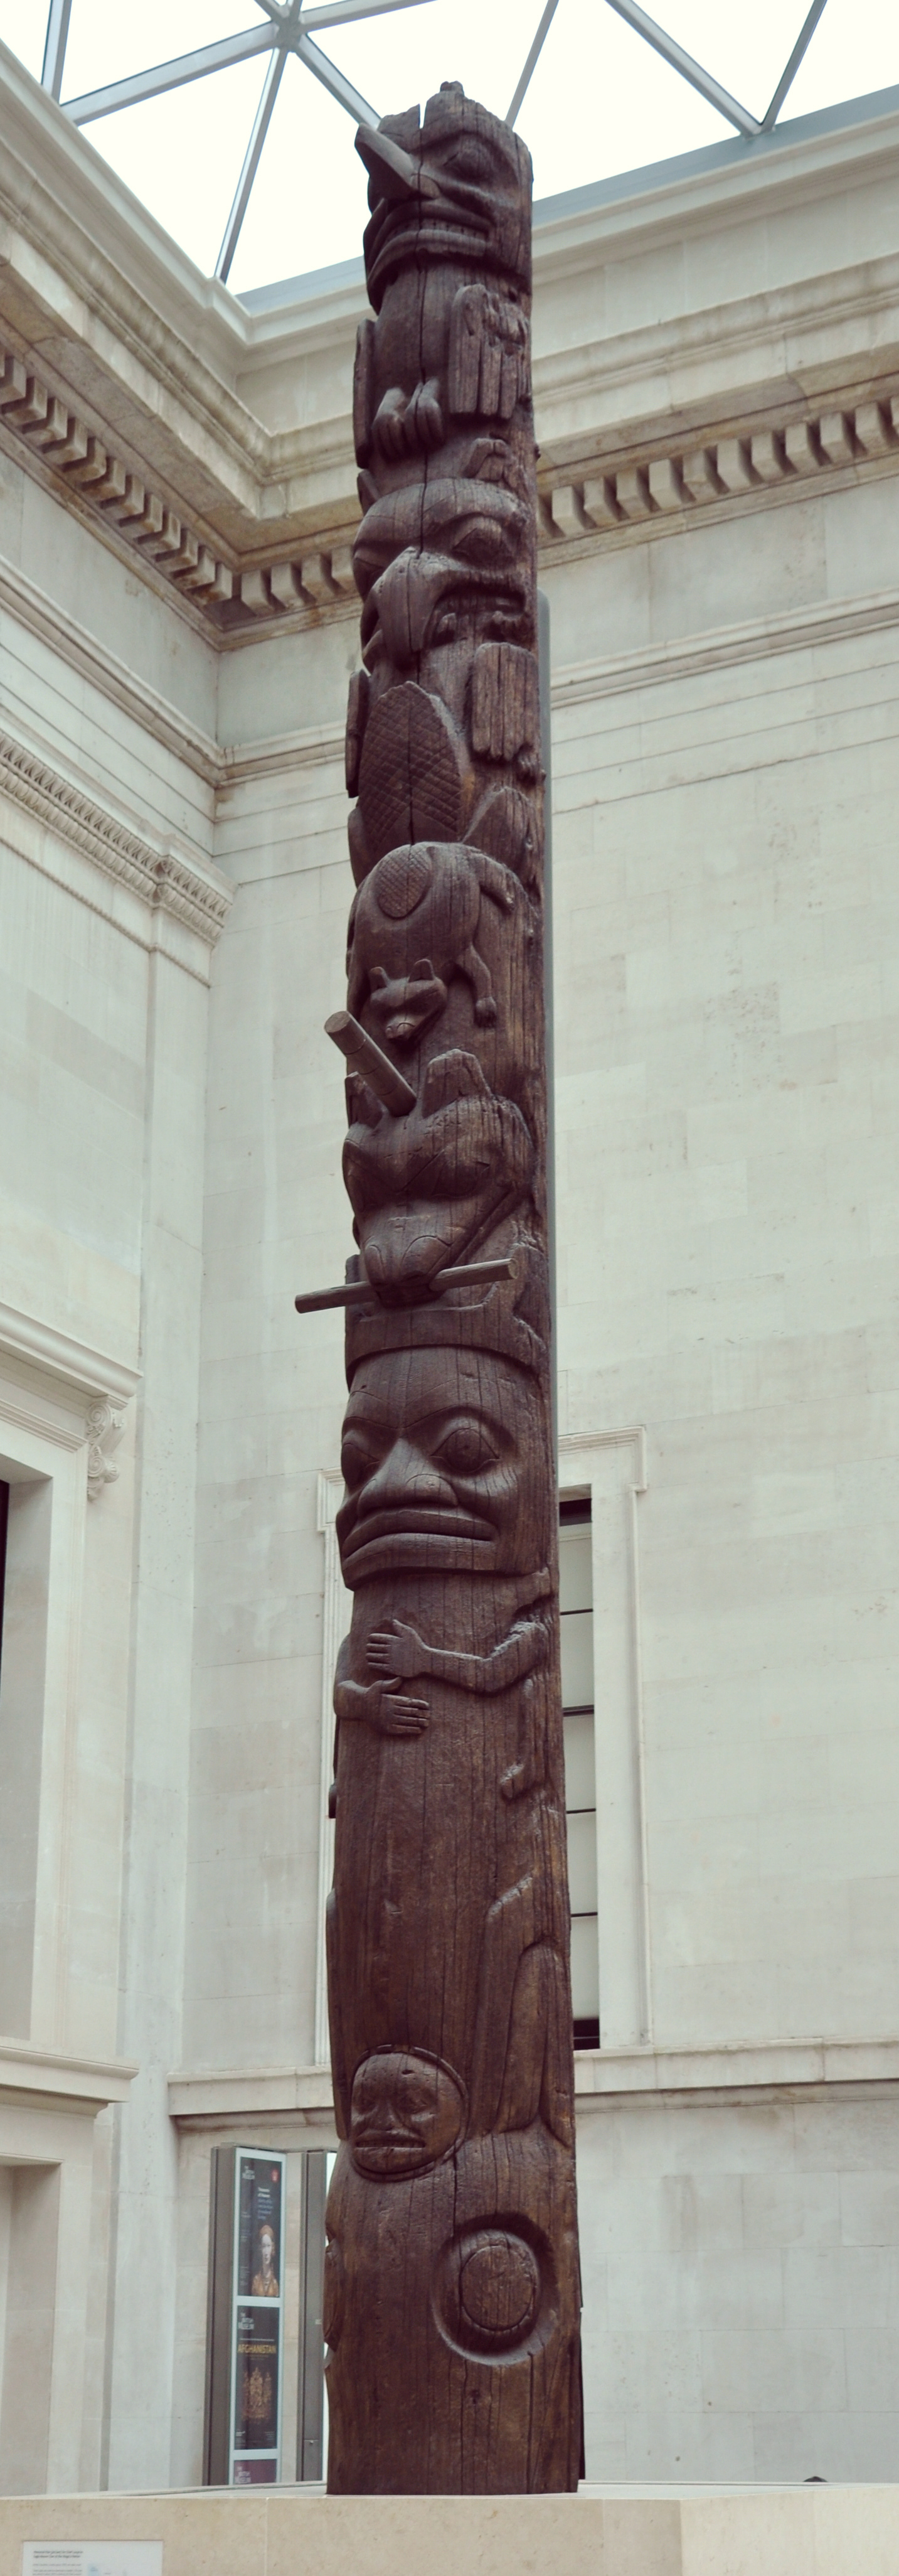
point(437, 1446)
point(406, 2112)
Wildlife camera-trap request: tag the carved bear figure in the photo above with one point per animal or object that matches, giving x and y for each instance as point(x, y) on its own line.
point(414, 925)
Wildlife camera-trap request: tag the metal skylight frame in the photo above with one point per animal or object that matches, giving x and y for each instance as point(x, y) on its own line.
point(673, 53)
point(285, 27)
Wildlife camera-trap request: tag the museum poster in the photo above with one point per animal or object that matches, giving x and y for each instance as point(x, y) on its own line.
point(257, 2315)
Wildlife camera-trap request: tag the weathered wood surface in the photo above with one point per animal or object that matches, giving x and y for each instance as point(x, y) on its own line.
point(452, 2304)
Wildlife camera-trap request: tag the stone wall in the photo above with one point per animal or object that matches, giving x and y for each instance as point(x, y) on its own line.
point(717, 364)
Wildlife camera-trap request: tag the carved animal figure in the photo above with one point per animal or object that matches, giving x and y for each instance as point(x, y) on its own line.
point(425, 1186)
point(413, 926)
point(452, 2277)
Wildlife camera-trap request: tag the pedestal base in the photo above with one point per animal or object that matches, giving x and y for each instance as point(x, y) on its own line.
point(612, 2531)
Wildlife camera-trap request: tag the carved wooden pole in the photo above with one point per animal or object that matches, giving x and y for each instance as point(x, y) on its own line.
point(452, 2298)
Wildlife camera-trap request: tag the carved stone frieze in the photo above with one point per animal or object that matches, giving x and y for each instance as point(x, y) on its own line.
point(618, 496)
point(162, 878)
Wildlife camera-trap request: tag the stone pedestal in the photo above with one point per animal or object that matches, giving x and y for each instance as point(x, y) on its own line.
point(613, 2531)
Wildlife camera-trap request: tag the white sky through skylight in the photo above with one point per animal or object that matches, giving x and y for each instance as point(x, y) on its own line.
point(600, 101)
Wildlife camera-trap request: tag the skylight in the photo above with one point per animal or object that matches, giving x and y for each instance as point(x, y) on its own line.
point(233, 120)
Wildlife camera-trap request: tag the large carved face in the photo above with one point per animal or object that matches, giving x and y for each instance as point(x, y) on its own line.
point(440, 1447)
point(481, 210)
point(407, 2112)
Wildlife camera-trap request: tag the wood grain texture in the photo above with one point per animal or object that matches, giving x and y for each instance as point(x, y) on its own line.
point(452, 2303)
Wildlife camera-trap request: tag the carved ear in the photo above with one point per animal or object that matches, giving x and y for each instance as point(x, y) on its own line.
point(377, 978)
point(422, 972)
point(454, 1076)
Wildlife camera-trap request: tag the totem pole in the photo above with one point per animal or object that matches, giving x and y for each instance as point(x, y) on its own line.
point(452, 2286)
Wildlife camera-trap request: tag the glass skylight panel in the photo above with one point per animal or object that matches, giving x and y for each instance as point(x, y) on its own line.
point(600, 100)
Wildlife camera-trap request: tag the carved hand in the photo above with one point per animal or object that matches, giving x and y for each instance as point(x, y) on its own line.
point(380, 1705)
point(397, 1649)
point(400, 1716)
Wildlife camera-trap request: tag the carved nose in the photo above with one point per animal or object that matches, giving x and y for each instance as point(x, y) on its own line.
point(404, 1477)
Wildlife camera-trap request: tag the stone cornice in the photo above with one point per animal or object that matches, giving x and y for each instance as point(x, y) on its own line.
point(165, 413)
point(85, 2084)
point(648, 487)
point(166, 879)
point(91, 1373)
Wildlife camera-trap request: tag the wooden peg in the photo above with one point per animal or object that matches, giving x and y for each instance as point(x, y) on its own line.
point(365, 1057)
point(359, 1292)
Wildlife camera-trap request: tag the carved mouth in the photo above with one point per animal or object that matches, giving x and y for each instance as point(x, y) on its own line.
point(404, 230)
point(417, 1522)
point(388, 2144)
point(427, 1548)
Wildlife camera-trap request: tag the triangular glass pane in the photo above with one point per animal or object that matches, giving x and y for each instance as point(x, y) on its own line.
point(309, 204)
point(22, 31)
point(107, 41)
point(745, 49)
point(854, 50)
point(182, 154)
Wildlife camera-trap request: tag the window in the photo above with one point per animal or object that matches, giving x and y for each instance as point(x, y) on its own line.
point(4, 1525)
point(576, 1605)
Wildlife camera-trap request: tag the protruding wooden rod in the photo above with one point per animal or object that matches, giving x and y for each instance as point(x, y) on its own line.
point(363, 1056)
point(358, 1292)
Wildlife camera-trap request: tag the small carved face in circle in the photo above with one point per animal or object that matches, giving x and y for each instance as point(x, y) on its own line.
point(407, 2111)
point(435, 1450)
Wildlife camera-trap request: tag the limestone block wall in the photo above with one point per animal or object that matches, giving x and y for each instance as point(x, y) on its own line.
point(717, 377)
point(110, 913)
point(740, 2315)
point(728, 1060)
point(272, 1384)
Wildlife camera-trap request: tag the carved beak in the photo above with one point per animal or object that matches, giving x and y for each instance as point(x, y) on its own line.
point(395, 171)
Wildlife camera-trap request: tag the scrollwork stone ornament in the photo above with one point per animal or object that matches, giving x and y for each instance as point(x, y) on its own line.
point(452, 2306)
point(104, 1427)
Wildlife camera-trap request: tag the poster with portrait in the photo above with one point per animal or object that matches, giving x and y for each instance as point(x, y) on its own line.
point(257, 2294)
point(258, 2232)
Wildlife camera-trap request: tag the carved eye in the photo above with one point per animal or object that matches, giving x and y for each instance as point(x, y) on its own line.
point(466, 1448)
point(479, 541)
point(469, 160)
point(357, 1459)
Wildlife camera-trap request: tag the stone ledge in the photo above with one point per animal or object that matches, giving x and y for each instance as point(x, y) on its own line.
point(772, 2066)
point(601, 2075)
point(85, 2084)
point(602, 2531)
point(237, 2092)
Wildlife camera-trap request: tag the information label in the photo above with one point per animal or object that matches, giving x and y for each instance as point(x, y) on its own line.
point(92, 2558)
